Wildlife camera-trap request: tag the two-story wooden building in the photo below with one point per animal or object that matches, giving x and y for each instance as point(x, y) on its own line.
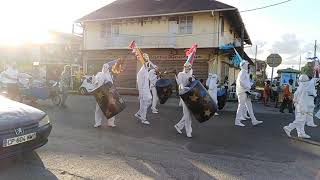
point(163, 29)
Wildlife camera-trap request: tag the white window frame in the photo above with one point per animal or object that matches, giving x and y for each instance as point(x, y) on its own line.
point(115, 30)
point(185, 24)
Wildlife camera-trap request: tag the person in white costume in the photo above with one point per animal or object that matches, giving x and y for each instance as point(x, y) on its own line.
point(302, 107)
point(212, 84)
point(153, 79)
point(145, 96)
point(310, 101)
point(101, 78)
point(243, 87)
point(183, 81)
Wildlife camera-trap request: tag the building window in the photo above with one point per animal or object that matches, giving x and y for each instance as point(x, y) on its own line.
point(105, 30)
point(222, 25)
point(185, 24)
point(115, 30)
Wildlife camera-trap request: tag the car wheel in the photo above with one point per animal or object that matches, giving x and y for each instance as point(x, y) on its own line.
point(83, 91)
point(56, 100)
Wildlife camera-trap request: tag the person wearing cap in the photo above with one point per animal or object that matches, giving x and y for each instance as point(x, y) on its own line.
point(102, 78)
point(243, 92)
point(153, 80)
point(302, 107)
point(212, 84)
point(183, 80)
point(145, 96)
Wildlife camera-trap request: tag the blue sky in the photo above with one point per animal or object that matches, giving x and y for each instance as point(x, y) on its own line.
point(287, 29)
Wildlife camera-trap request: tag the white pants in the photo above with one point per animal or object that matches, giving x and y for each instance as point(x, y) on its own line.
point(244, 105)
point(299, 123)
point(100, 117)
point(309, 118)
point(213, 94)
point(185, 121)
point(154, 98)
point(144, 104)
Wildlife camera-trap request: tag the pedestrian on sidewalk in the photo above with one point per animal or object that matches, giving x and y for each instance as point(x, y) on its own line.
point(266, 93)
point(310, 101)
point(287, 99)
point(145, 96)
point(302, 106)
point(65, 83)
point(243, 92)
point(102, 78)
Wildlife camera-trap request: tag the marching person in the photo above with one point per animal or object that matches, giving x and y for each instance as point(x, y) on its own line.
point(145, 96)
point(212, 84)
point(310, 101)
point(302, 106)
point(65, 83)
point(102, 78)
point(243, 91)
point(183, 80)
point(153, 79)
point(287, 99)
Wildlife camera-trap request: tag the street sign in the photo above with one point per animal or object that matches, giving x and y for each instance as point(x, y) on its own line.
point(274, 60)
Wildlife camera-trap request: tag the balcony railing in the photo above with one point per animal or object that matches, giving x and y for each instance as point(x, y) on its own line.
point(166, 41)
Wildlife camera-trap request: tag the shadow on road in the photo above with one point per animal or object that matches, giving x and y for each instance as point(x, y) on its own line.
point(25, 166)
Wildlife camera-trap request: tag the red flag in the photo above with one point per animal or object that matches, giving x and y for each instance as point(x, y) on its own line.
point(190, 53)
point(133, 46)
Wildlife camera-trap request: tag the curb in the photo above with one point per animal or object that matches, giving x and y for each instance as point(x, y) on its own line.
point(306, 141)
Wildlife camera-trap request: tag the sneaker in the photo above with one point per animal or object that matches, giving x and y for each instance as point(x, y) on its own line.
point(97, 125)
point(216, 114)
point(238, 123)
point(189, 135)
point(178, 130)
point(138, 116)
point(287, 130)
point(305, 136)
point(256, 122)
point(145, 122)
point(155, 112)
point(312, 125)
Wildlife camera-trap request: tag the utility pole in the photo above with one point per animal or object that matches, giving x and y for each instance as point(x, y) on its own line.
point(300, 63)
point(242, 39)
point(255, 61)
point(315, 48)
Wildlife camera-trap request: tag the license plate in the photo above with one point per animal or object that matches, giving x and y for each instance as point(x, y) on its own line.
point(19, 140)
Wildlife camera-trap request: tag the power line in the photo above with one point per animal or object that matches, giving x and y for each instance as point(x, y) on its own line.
point(263, 7)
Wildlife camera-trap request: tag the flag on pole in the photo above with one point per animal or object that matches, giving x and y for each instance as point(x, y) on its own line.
point(137, 51)
point(191, 53)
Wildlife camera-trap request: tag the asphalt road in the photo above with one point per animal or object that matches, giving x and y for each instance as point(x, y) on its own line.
point(218, 149)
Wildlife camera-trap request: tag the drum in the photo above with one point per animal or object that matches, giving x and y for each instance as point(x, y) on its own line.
point(109, 100)
point(199, 102)
point(164, 89)
point(222, 98)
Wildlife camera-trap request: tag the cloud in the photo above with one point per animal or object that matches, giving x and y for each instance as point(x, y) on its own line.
point(288, 45)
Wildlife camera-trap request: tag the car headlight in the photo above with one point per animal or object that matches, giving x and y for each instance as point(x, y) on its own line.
point(44, 121)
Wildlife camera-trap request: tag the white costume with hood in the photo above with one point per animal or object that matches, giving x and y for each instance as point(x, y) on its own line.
point(183, 81)
point(145, 96)
point(212, 85)
point(101, 78)
point(302, 107)
point(243, 85)
point(153, 79)
point(310, 101)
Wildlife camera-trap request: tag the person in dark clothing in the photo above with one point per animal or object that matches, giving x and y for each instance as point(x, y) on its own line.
point(287, 99)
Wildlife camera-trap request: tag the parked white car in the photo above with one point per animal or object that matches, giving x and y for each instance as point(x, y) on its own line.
point(87, 85)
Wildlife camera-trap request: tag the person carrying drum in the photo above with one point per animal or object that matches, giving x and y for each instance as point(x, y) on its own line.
point(183, 80)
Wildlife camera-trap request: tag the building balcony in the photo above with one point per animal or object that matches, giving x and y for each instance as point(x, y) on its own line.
point(165, 41)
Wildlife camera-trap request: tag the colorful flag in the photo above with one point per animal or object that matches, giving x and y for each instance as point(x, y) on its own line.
point(138, 53)
point(191, 53)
